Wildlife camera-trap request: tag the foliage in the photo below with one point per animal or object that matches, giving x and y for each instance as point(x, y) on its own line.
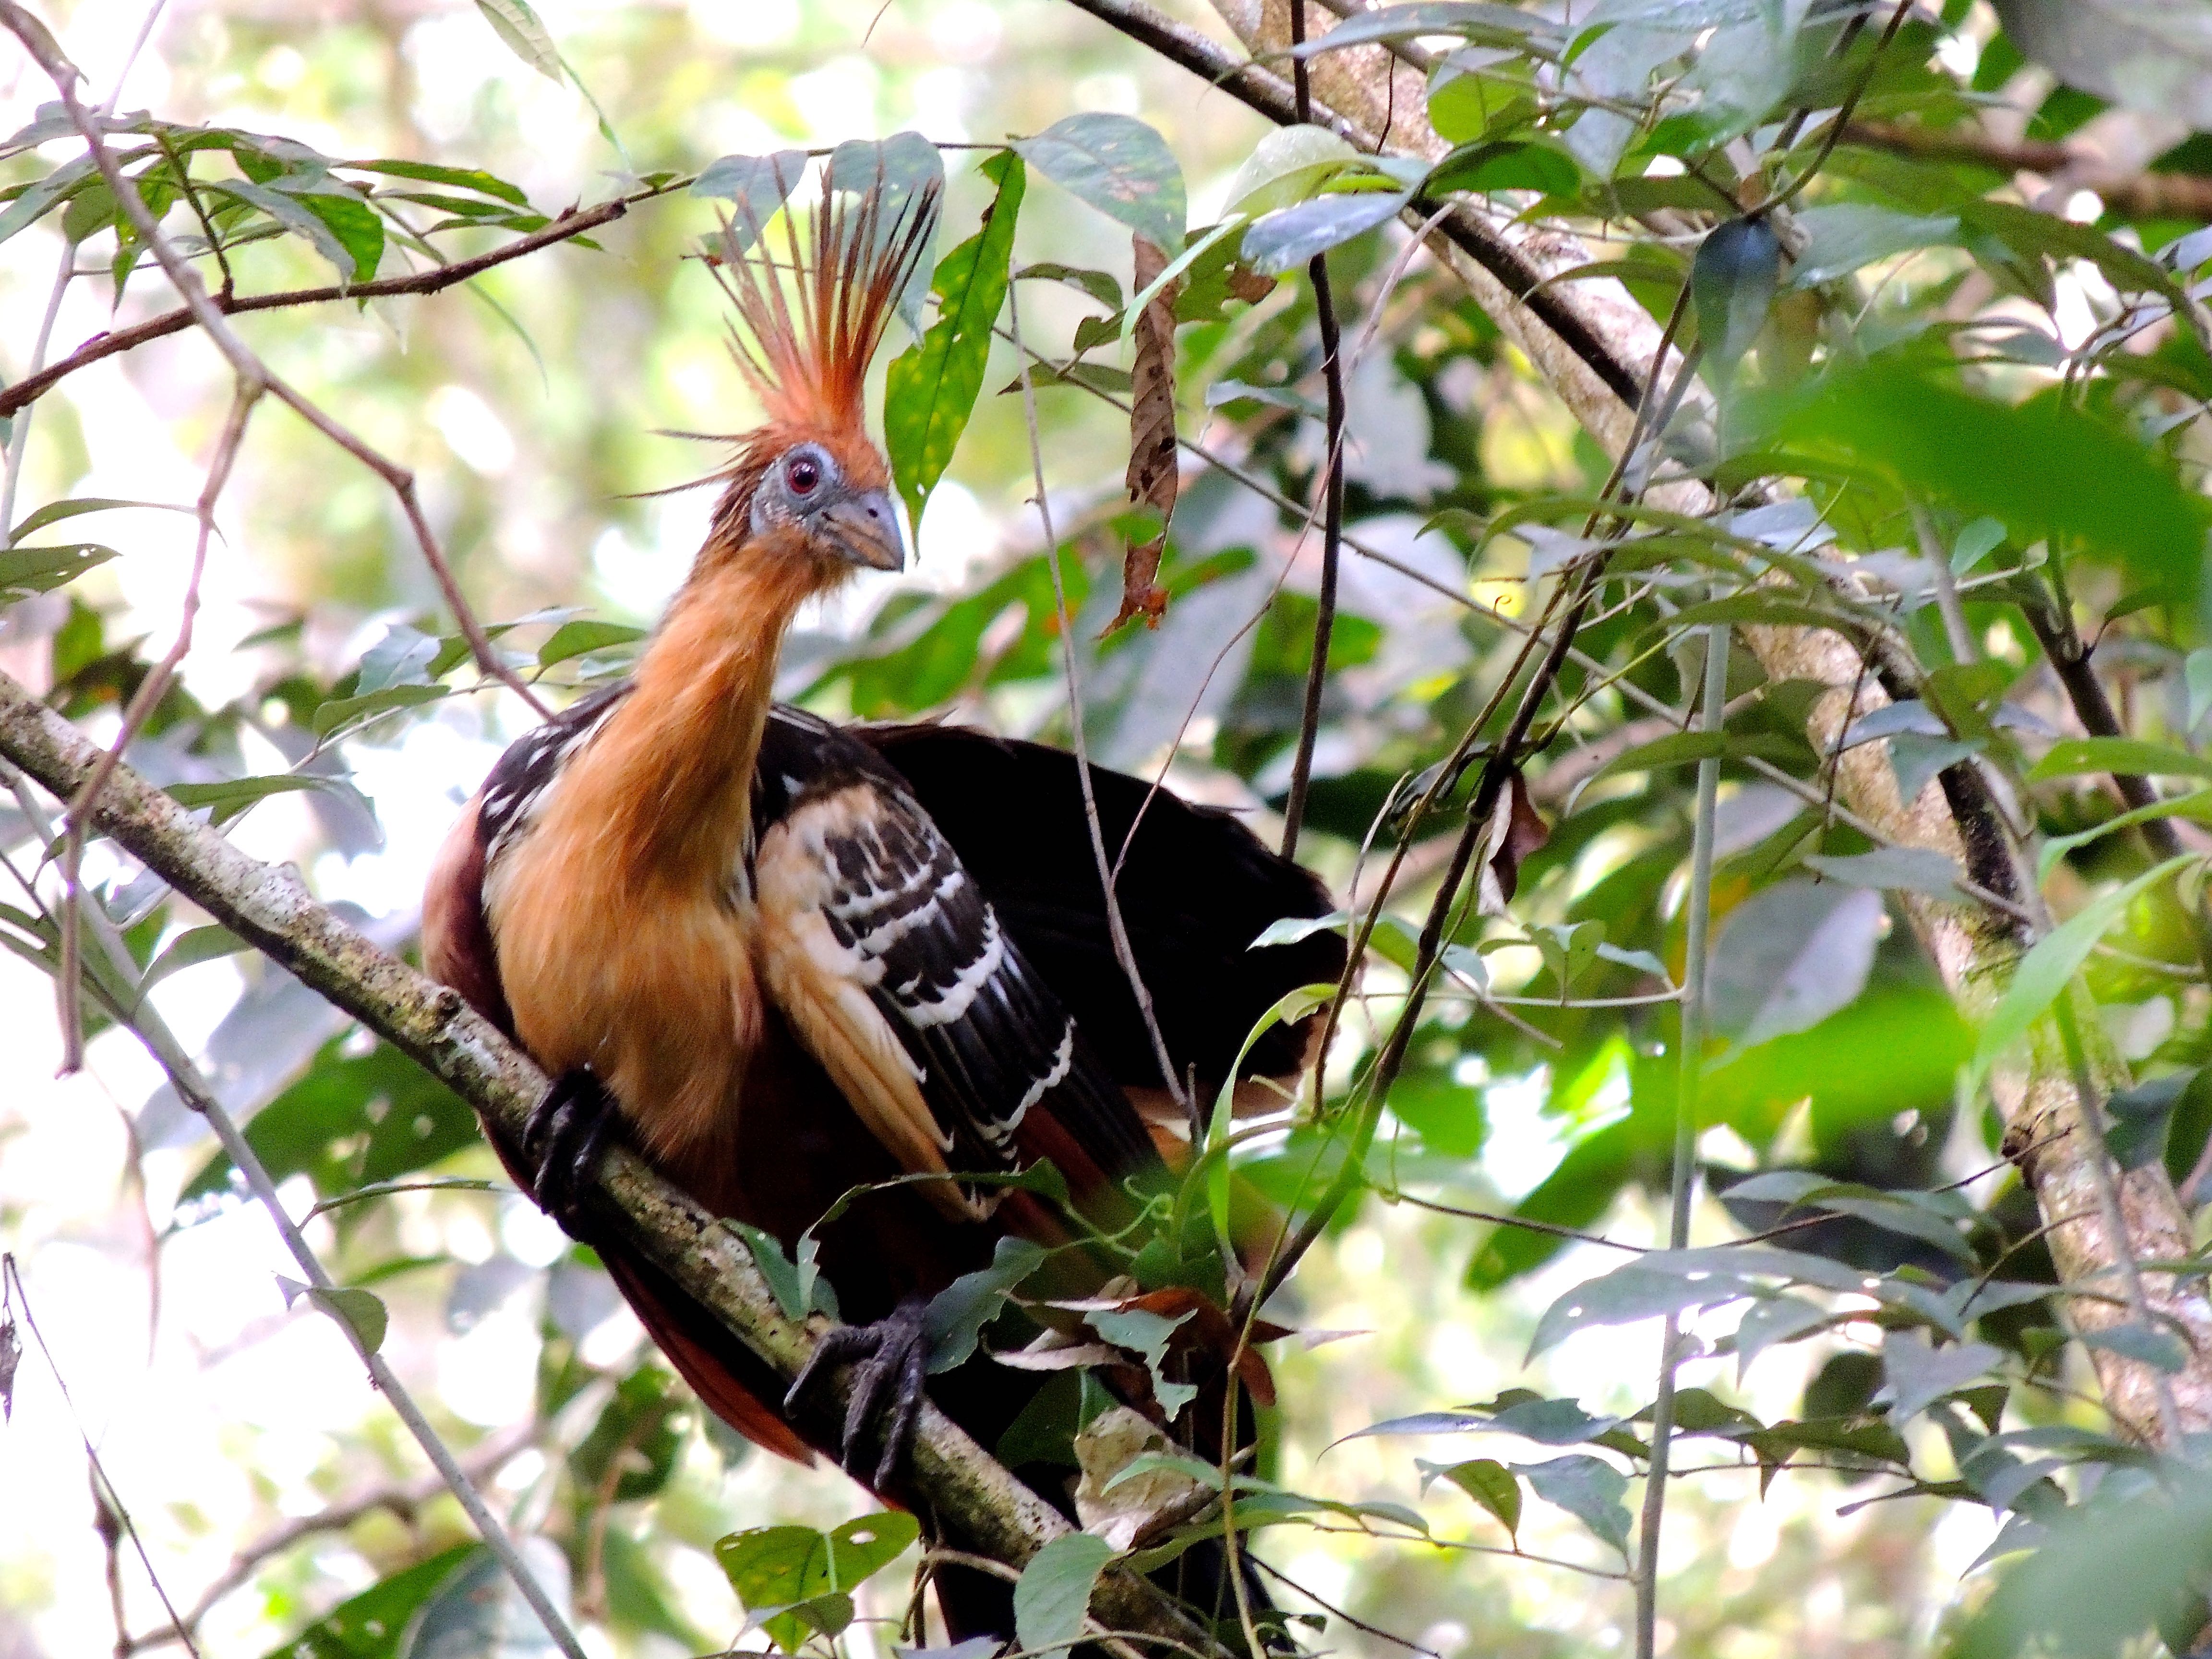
point(1955, 425)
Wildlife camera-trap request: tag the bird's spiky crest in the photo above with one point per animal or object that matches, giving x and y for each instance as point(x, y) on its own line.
point(812, 337)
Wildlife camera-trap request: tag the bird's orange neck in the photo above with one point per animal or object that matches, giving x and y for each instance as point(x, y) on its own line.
point(674, 767)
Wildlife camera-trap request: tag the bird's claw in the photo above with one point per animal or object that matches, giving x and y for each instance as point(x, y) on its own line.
point(566, 1134)
point(889, 1358)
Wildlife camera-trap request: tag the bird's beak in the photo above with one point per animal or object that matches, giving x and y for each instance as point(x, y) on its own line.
point(864, 528)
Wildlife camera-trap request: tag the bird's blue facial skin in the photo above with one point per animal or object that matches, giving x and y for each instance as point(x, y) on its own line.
point(805, 488)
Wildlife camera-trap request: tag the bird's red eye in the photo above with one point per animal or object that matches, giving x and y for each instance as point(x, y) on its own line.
point(802, 475)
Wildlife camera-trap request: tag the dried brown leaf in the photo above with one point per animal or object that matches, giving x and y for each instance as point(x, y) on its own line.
point(1153, 474)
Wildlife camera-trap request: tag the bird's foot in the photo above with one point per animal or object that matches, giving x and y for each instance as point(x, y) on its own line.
point(889, 1358)
point(567, 1133)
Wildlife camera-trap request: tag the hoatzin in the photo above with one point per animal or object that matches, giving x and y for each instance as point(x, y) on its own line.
point(786, 959)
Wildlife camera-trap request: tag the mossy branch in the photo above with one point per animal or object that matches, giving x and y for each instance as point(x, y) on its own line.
point(981, 1505)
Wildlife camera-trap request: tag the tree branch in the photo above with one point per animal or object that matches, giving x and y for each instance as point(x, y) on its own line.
point(2133, 195)
point(571, 224)
point(269, 906)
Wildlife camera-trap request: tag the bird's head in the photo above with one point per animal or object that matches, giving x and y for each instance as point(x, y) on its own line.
point(809, 489)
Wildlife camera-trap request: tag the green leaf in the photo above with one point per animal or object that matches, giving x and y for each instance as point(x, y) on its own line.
point(581, 638)
point(1505, 164)
point(1098, 284)
point(40, 197)
point(350, 1119)
point(775, 1266)
point(2038, 235)
point(2044, 467)
point(55, 512)
point(37, 570)
point(515, 23)
point(930, 389)
point(293, 214)
point(1589, 1488)
point(370, 1625)
point(356, 225)
point(863, 1548)
point(189, 948)
point(1732, 283)
point(1288, 166)
point(232, 796)
point(1492, 1484)
point(770, 1568)
point(957, 1313)
point(1288, 238)
point(1917, 1373)
point(345, 711)
point(2142, 1118)
point(1119, 165)
point(1899, 869)
point(2197, 804)
point(1842, 238)
point(631, 1451)
point(1053, 1595)
point(361, 1312)
point(2044, 971)
point(1500, 26)
point(795, 1582)
point(2161, 1351)
point(430, 173)
point(1788, 957)
point(479, 1612)
point(1976, 542)
point(759, 185)
point(2072, 756)
point(1682, 748)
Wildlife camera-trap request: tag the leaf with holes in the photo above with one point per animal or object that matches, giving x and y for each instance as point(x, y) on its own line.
point(1119, 165)
point(39, 569)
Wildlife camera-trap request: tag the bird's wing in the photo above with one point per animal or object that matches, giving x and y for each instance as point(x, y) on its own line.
point(1195, 889)
point(895, 972)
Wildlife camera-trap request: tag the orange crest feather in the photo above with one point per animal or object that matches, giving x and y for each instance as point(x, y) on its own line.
point(814, 336)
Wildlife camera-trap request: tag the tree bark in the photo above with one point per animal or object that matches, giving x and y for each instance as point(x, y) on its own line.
point(2055, 1143)
point(983, 1506)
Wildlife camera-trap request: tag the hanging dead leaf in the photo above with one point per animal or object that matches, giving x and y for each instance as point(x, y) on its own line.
point(1516, 831)
point(1152, 470)
point(1122, 1511)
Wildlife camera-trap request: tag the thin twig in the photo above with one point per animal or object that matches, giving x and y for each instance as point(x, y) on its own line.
point(1684, 1171)
point(145, 1023)
point(403, 1497)
point(143, 701)
point(1115, 927)
point(248, 367)
point(1331, 483)
point(12, 1287)
point(565, 227)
